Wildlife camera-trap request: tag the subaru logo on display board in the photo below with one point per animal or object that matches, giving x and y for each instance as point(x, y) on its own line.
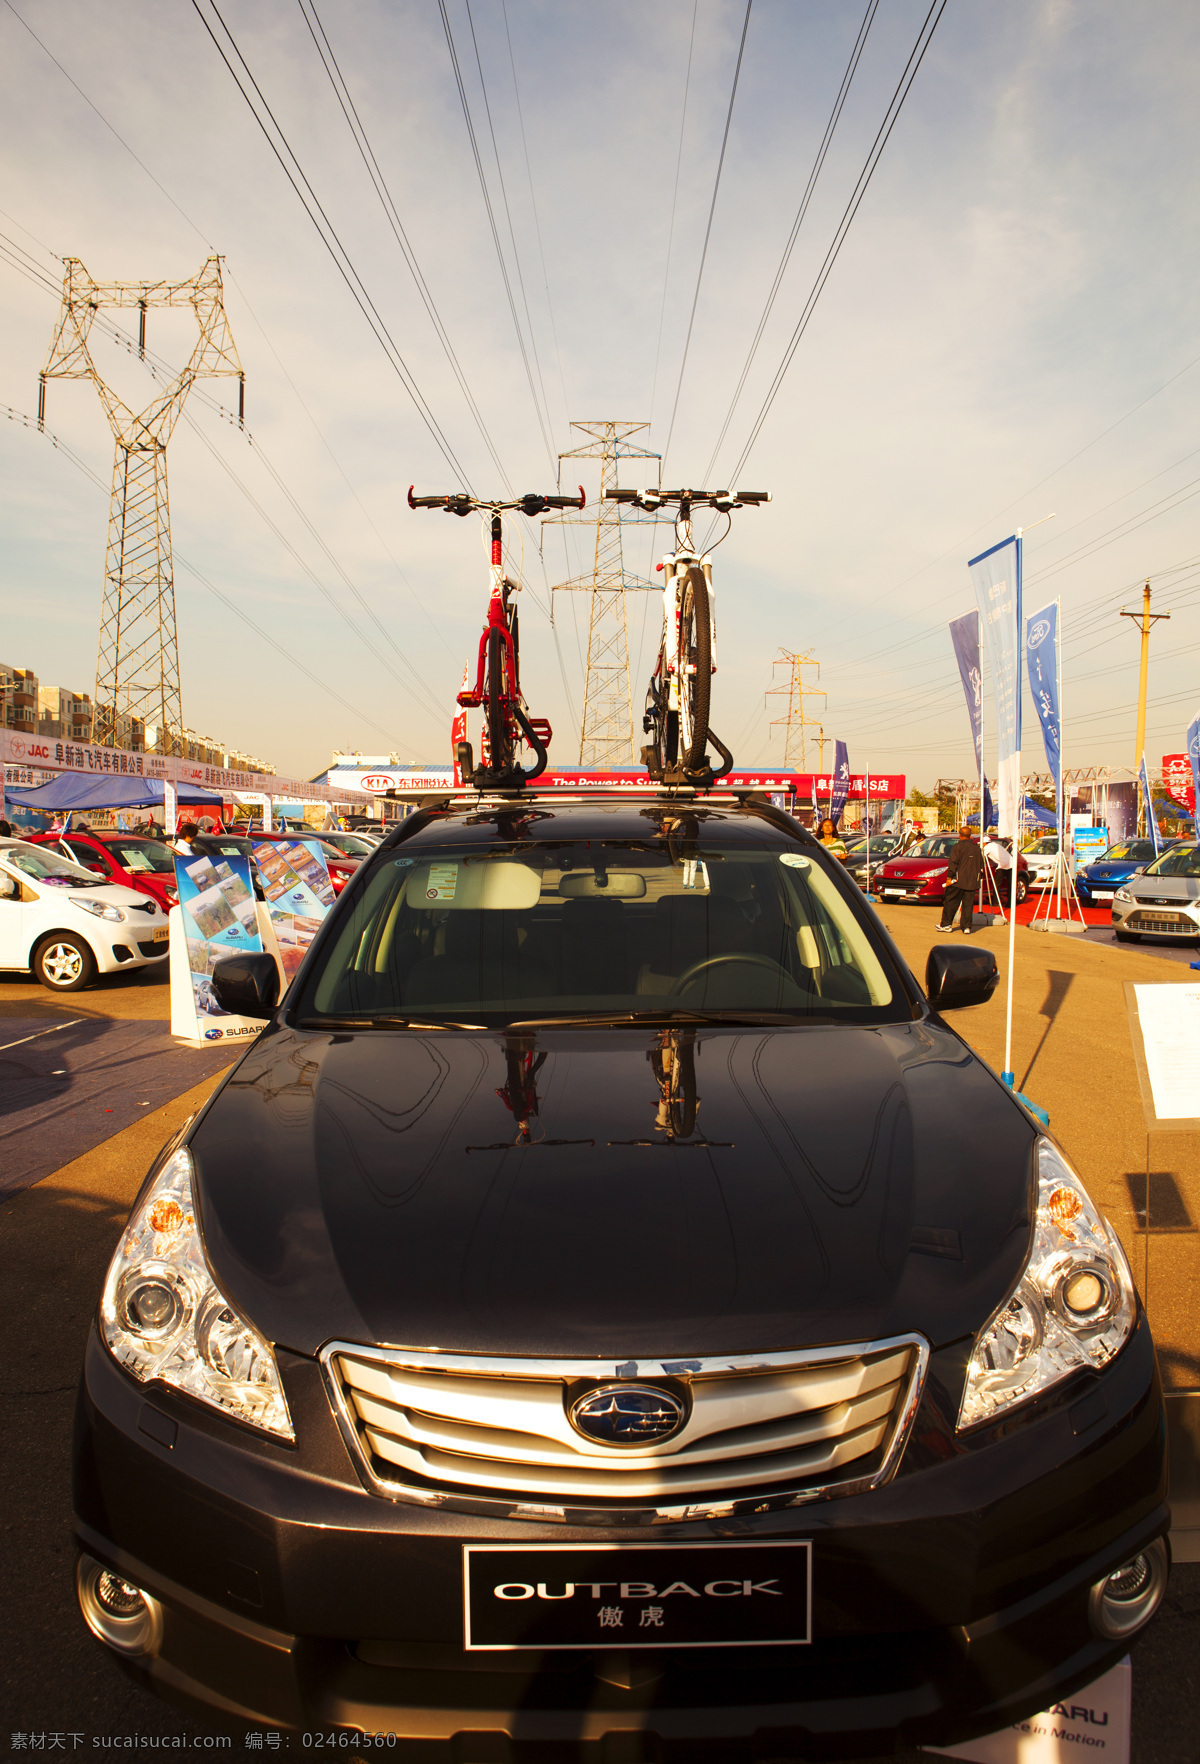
point(627, 1415)
point(212, 1035)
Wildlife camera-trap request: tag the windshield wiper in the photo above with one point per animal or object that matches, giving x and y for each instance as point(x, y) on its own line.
point(381, 1022)
point(639, 1019)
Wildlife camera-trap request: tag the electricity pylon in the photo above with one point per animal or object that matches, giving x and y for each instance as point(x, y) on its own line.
point(796, 723)
point(606, 728)
point(137, 666)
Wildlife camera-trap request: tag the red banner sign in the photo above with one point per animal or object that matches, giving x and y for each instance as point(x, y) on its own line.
point(1177, 780)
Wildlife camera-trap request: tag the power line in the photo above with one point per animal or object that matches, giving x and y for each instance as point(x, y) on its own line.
point(712, 207)
point(346, 104)
point(891, 115)
point(822, 151)
point(294, 172)
point(487, 202)
point(537, 225)
point(662, 311)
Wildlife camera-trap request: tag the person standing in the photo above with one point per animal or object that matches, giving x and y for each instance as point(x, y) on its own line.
point(1000, 858)
point(962, 882)
point(829, 839)
point(183, 844)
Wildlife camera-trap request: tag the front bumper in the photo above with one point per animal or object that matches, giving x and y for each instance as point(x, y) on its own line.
point(949, 1602)
point(1178, 919)
point(898, 888)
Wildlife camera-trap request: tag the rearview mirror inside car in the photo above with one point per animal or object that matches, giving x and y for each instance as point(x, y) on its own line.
point(955, 976)
point(247, 985)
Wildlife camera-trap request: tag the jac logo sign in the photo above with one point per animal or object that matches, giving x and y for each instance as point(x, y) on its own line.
point(16, 747)
point(38, 752)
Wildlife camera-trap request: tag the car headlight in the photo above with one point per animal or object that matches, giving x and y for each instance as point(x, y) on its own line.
point(163, 1317)
point(1122, 894)
point(1073, 1306)
point(99, 909)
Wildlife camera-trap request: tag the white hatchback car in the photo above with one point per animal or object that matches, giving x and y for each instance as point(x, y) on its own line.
point(60, 921)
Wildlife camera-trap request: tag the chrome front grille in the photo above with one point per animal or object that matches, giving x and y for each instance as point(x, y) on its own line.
point(452, 1427)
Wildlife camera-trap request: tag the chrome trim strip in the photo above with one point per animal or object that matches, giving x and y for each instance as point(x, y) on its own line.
point(617, 1516)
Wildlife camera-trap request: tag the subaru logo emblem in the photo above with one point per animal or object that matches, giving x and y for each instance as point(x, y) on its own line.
point(212, 1035)
point(627, 1415)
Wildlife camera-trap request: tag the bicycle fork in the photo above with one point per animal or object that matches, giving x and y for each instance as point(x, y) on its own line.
point(675, 569)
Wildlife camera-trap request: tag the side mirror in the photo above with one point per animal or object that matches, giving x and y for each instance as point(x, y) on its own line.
point(247, 985)
point(955, 976)
point(8, 888)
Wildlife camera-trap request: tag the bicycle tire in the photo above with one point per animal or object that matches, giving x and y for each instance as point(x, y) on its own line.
point(695, 650)
point(499, 756)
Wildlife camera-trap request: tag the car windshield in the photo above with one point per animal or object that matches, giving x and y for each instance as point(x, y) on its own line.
point(228, 844)
point(41, 865)
point(1140, 850)
point(941, 845)
point(143, 854)
point(1042, 847)
point(1181, 860)
point(601, 930)
point(349, 844)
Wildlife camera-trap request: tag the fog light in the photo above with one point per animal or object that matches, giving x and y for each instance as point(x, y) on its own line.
point(1125, 1600)
point(117, 1612)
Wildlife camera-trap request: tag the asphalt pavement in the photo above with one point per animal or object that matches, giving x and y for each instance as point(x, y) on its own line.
point(60, 1690)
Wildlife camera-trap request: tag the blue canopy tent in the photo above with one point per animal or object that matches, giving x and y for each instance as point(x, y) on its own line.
point(1032, 815)
point(83, 790)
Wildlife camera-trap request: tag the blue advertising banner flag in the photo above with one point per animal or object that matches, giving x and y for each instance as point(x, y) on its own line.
point(964, 634)
point(1151, 817)
point(1193, 753)
point(1041, 657)
point(840, 783)
point(996, 578)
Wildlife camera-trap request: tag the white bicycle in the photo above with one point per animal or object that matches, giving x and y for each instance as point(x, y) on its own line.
point(678, 698)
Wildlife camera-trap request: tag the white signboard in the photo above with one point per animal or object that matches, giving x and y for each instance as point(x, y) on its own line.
point(1170, 1022)
point(1093, 1723)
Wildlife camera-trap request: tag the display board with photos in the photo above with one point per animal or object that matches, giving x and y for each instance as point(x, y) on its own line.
point(295, 881)
point(220, 918)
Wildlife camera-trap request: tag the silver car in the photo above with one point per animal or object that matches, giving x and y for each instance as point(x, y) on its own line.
point(1163, 900)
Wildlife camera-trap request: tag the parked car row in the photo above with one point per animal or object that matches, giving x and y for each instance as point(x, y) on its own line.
point(65, 922)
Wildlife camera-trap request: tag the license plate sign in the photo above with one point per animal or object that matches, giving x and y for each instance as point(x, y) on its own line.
point(721, 1595)
point(893, 893)
point(161, 933)
point(1102, 893)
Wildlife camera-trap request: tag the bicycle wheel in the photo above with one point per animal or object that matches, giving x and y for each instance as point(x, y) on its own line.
point(499, 756)
point(695, 669)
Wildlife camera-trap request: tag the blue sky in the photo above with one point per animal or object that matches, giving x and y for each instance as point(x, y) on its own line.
point(1008, 331)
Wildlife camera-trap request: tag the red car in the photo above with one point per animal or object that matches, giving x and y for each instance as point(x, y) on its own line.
point(921, 874)
point(131, 859)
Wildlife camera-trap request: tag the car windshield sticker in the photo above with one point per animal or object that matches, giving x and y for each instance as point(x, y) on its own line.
point(443, 879)
point(794, 861)
point(402, 863)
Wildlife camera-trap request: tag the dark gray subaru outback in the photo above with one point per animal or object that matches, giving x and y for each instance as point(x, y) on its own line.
point(608, 1307)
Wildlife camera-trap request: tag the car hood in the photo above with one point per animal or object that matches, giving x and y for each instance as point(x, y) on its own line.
point(842, 1184)
point(908, 866)
point(112, 893)
point(1181, 888)
point(1119, 872)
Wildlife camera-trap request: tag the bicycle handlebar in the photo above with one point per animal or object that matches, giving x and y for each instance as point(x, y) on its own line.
point(719, 499)
point(459, 503)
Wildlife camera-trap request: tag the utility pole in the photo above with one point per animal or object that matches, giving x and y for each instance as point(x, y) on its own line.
point(1145, 619)
point(137, 668)
point(606, 727)
point(796, 722)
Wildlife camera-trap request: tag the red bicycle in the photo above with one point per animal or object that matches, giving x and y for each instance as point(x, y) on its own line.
point(507, 724)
